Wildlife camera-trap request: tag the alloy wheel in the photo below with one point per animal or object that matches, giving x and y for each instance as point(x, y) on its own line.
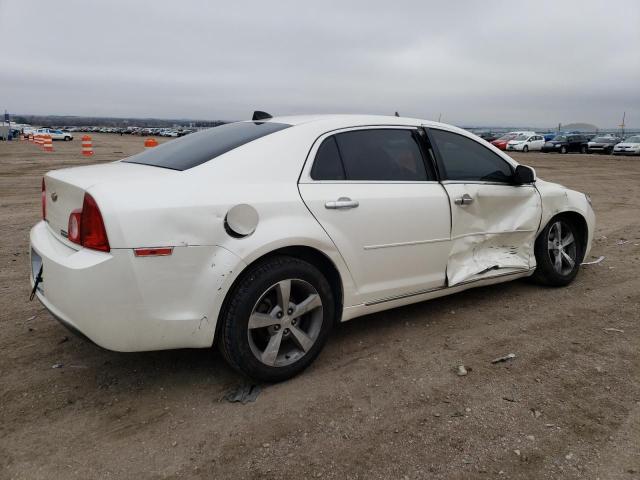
point(561, 244)
point(285, 322)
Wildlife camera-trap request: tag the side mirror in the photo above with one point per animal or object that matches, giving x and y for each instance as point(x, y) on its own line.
point(524, 175)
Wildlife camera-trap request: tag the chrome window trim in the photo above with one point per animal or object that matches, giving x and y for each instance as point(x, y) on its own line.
point(483, 182)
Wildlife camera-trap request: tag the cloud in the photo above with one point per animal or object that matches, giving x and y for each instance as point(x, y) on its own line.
point(489, 63)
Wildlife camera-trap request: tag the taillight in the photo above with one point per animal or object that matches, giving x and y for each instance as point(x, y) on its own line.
point(73, 230)
point(43, 197)
point(92, 232)
point(86, 226)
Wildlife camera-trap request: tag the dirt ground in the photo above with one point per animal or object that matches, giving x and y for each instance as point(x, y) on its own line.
point(382, 400)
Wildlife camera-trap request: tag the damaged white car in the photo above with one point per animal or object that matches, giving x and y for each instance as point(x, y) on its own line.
point(261, 235)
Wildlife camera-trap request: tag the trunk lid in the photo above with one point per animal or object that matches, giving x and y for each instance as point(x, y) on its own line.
point(65, 188)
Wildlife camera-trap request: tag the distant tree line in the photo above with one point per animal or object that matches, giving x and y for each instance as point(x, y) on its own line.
point(75, 121)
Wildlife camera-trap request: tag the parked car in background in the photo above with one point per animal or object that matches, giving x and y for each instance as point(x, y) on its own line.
point(488, 136)
point(630, 146)
point(566, 143)
point(185, 244)
point(55, 134)
point(602, 144)
point(26, 131)
point(525, 143)
point(502, 142)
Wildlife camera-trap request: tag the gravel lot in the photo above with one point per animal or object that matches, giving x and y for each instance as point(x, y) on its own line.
point(383, 399)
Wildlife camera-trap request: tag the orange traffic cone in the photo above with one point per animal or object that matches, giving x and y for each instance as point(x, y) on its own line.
point(150, 143)
point(87, 146)
point(31, 138)
point(38, 140)
point(48, 144)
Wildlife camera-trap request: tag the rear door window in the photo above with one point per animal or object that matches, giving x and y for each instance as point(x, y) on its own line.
point(381, 155)
point(198, 148)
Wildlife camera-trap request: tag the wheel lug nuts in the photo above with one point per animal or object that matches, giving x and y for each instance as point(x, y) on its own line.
point(290, 311)
point(294, 321)
point(286, 331)
point(279, 315)
point(276, 327)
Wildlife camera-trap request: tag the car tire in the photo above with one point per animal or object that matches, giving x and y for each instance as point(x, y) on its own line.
point(563, 149)
point(255, 324)
point(525, 149)
point(557, 267)
point(67, 139)
point(583, 149)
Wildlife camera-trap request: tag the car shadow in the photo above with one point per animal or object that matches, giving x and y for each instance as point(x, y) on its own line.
point(188, 368)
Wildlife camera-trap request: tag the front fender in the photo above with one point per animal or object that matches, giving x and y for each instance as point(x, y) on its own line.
point(558, 199)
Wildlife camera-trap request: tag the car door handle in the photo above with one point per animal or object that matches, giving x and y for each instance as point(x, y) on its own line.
point(464, 200)
point(342, 202)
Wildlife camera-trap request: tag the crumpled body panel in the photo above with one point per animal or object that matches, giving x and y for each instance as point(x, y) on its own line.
point(495, 233)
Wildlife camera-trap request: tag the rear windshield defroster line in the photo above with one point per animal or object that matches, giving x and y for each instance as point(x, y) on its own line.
point(197, 148)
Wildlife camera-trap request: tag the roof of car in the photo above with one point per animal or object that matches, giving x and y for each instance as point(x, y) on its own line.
point(351, 120)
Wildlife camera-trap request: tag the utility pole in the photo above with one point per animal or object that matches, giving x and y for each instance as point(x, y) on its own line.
point(624, 114)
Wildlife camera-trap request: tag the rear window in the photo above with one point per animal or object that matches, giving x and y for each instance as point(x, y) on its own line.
point(198, 148)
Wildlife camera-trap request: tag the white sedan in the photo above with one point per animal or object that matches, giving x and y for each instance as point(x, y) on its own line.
point(55, 134)
point(261, 235)
point(526, 142)
point(630, 146)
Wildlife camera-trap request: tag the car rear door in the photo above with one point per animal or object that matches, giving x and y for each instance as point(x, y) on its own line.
point(493, 221)
point(379, 201)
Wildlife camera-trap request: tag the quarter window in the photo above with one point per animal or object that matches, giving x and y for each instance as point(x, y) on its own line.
point(328, 164)
point(466, 159)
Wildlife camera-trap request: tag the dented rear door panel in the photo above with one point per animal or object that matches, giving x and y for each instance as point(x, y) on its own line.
point(493, 231)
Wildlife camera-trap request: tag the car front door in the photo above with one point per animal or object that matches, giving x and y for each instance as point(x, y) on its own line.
point(575, 143)
point(383, 208)
point(493, 221)
point(537, 142)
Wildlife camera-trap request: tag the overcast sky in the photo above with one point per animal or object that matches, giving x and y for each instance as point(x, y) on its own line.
point(473, 62)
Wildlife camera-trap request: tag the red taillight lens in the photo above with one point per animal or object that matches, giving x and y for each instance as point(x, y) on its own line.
point(43, 197)
point(92, 232)
point(73, 230)
point(153, 252)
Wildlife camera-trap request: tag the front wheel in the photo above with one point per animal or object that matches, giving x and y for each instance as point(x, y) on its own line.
point(277, 319)
point(525, 149)
point(583, 149)
point(563, 149)
point(558, 252)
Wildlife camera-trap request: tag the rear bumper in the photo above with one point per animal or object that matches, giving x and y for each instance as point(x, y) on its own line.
point(125, 303)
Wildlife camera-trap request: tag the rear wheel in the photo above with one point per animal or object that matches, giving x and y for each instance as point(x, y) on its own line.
point(525, 149)
point(583, 149)
point(563, 149)
point(558, 251)
point(277, 320)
